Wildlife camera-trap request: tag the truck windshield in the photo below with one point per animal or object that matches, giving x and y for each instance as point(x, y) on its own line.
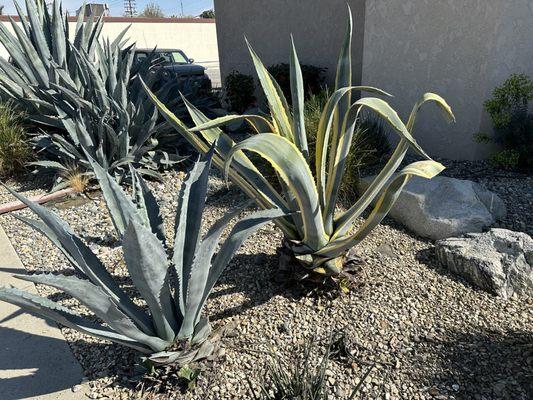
point(179, 57)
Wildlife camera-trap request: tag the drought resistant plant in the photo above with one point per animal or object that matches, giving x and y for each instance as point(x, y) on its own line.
point(80, 91)
point(175, 290)
point(299, 379)
point(513, 123)
point(14, 149)
point(315, 234)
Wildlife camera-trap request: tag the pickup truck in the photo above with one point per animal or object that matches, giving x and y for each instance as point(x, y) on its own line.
point(174, 65)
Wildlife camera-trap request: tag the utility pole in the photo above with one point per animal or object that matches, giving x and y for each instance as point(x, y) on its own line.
point(130, 8)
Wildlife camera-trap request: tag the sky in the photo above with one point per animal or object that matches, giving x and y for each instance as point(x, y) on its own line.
point(169, 7)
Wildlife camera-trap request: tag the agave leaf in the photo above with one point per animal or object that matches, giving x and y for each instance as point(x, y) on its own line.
point(280, 113)
point(147, 264)
point(344, 143)
point(49, 164)
point(149, 172)
point(182, 357)
point(120, 36)
point(96, 300)
point(191, 202)
point(386, 112)
point(242, 164)
point(36, 63)
point(14, 75)
point(38, 34)
point(12, 47)
point(345, 220)
point(238, 235)
point(324, 130)
point(147, 205)
point(200, 272)
point(23, 21)
point(343, 79)
point(66, 317)
point(119, 204)
point(59, 49)
point(430, 98)
point(82, 258)
point(228, 119)
point(298, 102)
point(201, 331)
point(426, 169)
point(291, 166)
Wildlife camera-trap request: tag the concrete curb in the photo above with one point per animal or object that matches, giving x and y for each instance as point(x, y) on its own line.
point(35, 361)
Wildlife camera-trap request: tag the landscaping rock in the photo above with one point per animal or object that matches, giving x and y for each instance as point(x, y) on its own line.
point(444, 207)
point(499, 261)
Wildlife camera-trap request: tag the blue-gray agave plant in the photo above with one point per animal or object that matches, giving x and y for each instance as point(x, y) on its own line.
point(82, 91)
point(175, 289)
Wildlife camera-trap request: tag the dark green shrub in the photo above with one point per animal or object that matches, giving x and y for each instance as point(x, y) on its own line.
point(239, 91)
point(312, 76)
point(513, 123)
point(14, 149)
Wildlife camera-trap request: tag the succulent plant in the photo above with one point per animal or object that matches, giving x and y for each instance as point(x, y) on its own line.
point(317, 237)
point(82, 91)
point(175, 289)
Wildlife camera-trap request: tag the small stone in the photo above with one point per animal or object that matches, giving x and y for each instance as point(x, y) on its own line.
point(434, 391)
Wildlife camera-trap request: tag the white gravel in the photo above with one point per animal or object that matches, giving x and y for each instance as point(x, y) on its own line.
point(431, 334)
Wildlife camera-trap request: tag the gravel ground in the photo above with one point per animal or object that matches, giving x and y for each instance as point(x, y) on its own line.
point(430, 334)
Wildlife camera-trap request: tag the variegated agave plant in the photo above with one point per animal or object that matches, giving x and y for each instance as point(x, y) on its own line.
point(316, 235)
point(175, 290)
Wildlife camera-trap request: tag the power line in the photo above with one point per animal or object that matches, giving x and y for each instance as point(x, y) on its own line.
point(130, 8)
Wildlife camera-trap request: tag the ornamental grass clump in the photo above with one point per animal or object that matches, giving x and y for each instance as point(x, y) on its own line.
point(316, 235)
point(175, 288)
point(15, 152)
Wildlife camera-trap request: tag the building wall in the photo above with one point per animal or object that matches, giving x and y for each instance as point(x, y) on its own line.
point(198, 38)
point(318, 27)
point(460, 49)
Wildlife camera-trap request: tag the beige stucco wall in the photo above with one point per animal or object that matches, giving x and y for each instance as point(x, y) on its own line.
point(460, 49)
point(198, 40)
point(318, 27)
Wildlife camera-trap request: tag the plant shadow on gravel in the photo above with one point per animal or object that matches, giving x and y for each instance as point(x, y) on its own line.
point(259, 279)
point(28, 181)
point(253, 276)
point(428, 258)
point(479, 365)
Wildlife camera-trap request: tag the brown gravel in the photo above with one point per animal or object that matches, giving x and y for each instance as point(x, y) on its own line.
point(431, 335)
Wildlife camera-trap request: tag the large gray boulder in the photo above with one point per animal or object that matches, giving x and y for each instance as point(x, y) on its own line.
point(499, 261)
point(444, 207)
